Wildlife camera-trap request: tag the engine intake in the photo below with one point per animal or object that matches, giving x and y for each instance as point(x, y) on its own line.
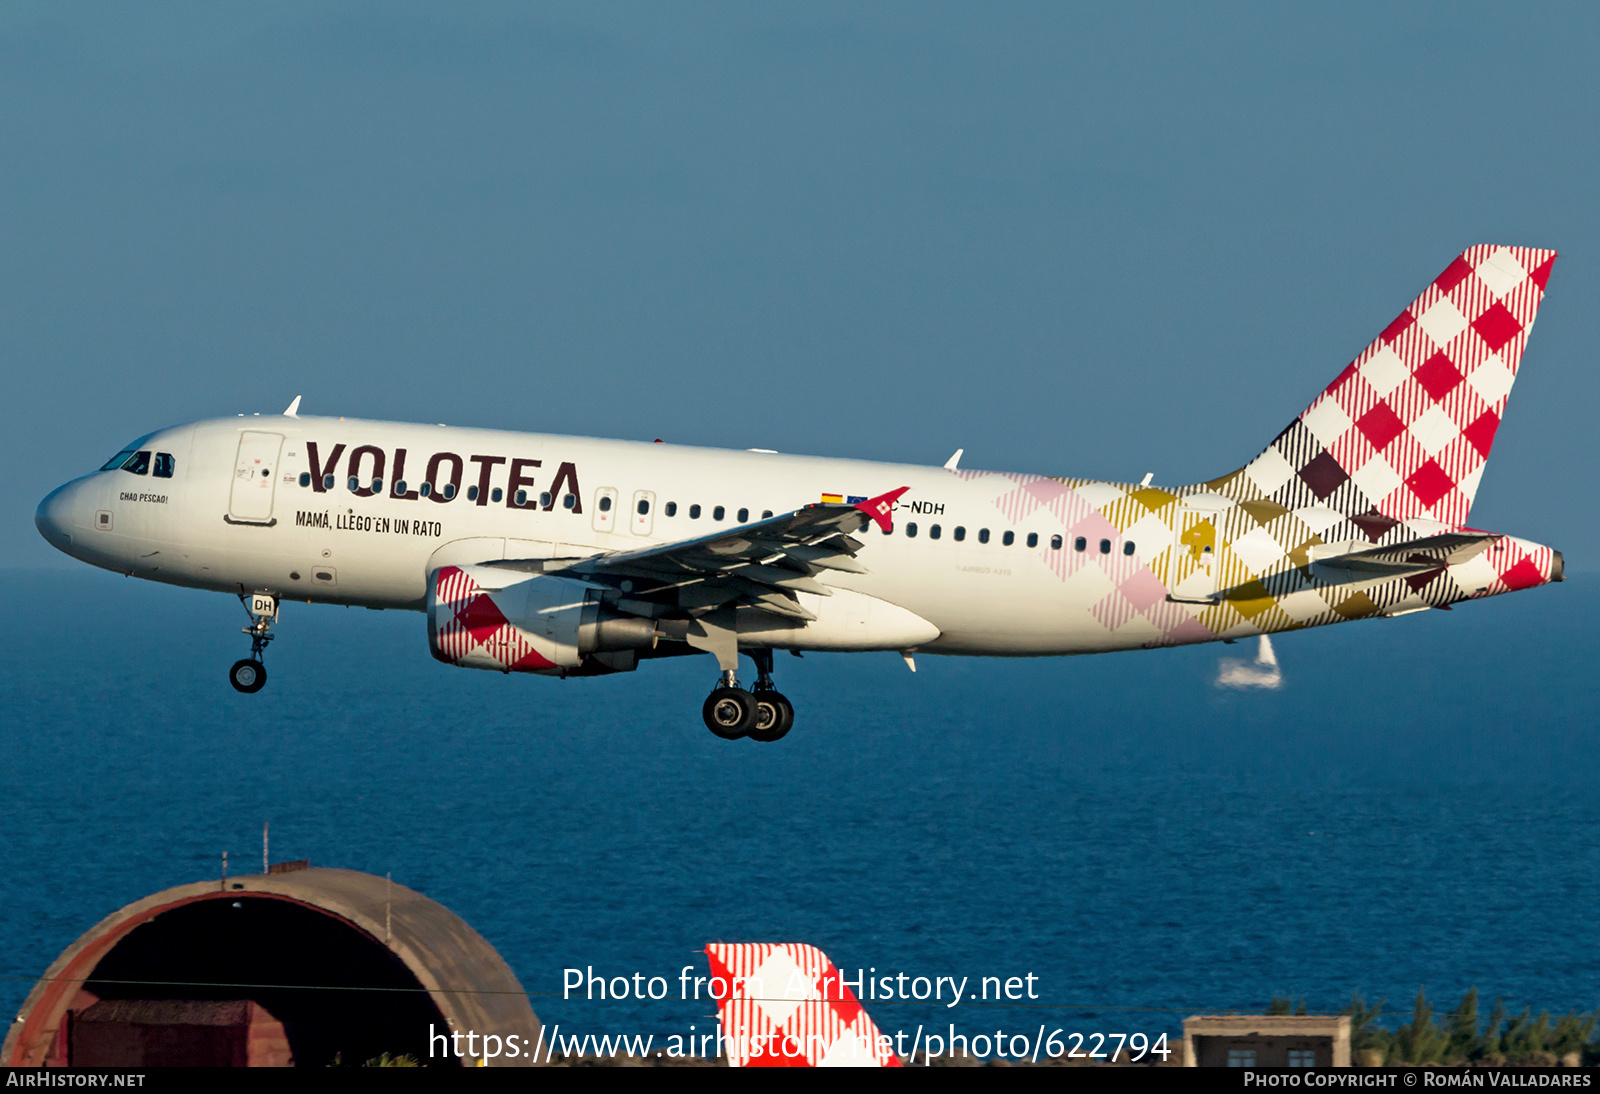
point(485, 617)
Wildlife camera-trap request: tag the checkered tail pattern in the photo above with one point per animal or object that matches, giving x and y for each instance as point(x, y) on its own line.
point(786, 1005)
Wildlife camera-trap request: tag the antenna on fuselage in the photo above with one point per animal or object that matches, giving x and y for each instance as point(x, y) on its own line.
point(294, 409)
point(950, 464)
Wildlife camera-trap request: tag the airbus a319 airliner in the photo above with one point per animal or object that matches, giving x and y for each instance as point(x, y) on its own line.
point(569, 556)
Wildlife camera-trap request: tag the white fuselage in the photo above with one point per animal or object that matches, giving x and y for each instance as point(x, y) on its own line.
point(345, 511)
point(215, 524)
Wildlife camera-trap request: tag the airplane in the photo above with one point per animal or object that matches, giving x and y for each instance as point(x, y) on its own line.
point(572, 556)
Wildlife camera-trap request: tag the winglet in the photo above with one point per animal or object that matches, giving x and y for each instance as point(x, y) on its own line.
point(881, 508)
point(294, 409)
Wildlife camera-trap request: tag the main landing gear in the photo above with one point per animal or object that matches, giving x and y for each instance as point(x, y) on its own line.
point(250, 674)
point(761, 714)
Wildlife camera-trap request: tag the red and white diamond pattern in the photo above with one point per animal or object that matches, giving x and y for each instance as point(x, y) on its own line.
point(475, 631)
point(1392, 451)
point(1412, 419)
point(785, 1005)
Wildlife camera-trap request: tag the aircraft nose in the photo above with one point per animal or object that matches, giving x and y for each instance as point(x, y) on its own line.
point(54, 517)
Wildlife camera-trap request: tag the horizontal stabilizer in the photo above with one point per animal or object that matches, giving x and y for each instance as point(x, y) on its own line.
point(1415, 556)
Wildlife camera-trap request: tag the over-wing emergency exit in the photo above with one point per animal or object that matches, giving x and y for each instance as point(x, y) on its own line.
point(570, 556)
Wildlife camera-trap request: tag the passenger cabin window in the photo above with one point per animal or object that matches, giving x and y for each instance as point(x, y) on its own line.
point(496, 494)
point(305, 478)
point(960, 533)
point(744, 516)
point(544, 500)
point(1080, 544)
point(672, 508)
point(694, 512)
point(472, 493)
point(717, 513)
point(1033, 539)
point(983, 535)
point(354, 483)
point(426, 489)
point(1105, 546)
point(933, 531)
point(1055, 543)
point(449, 490)
point(164, 465)
point(644, 506)
point(1008, 539)
point(765, 513)
point(1127, 548)
point(605, 503)
point(911, 530)
point(400, 488)
point(138, 463)
point(522, 497)
point(377, 486)
point(327, 482)
point(569, 501)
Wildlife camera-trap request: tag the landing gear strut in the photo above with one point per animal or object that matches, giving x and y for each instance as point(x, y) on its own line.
point(250, 674)
point(761, 714)
point(774, 713)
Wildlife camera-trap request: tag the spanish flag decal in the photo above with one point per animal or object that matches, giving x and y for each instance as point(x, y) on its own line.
point(833, 499)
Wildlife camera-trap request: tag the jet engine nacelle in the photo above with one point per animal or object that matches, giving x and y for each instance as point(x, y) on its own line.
point(488, 617)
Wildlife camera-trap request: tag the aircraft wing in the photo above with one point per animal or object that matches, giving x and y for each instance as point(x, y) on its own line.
point(763, 564)
point(1415, 556)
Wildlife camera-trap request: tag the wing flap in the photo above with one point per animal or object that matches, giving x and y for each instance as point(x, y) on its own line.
point(762, 564)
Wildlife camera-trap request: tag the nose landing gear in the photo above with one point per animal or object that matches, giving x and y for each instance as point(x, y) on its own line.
point(762, 714)
point(249, 675)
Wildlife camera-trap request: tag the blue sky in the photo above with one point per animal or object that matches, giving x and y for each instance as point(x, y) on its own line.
point(1074, 241)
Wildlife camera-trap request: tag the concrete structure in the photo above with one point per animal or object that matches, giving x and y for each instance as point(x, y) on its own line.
point(1267, 1040)
point(333, 963)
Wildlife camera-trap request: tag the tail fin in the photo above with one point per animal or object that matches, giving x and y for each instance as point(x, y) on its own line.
point(1406, 428)
point(785, 1005)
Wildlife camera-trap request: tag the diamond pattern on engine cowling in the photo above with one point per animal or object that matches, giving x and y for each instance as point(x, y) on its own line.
point(488, 617)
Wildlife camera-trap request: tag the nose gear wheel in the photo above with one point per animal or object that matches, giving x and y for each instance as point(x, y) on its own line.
point(248, 676)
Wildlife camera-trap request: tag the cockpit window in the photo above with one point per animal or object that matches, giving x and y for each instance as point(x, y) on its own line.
point(138, 463)
point(163, 465)
point(118, 460)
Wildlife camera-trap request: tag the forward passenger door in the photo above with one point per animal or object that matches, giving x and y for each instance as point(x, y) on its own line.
point(254, 478)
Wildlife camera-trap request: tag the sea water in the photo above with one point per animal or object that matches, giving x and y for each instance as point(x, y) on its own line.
point(1416, 805)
